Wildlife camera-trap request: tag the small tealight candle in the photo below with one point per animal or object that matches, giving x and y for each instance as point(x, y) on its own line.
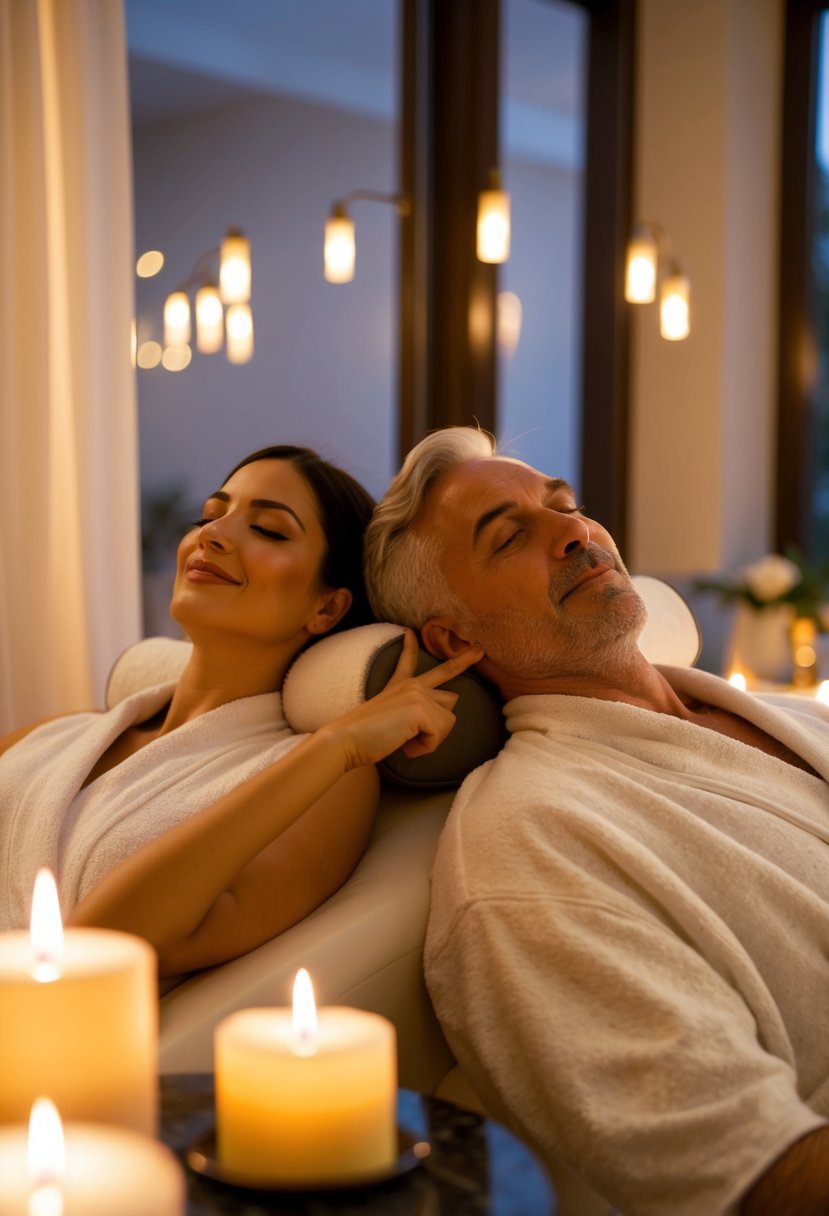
point(88, 1170)
point(79, 1012)
point(305, 1096)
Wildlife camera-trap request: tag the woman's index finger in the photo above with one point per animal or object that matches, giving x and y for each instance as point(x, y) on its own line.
point(407, 663)
point(447, 670)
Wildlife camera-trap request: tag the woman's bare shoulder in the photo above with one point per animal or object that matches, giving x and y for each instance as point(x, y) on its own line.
point(7, 741)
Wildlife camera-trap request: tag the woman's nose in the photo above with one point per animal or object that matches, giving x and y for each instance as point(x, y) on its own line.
point(568, 533)
point(215, 535)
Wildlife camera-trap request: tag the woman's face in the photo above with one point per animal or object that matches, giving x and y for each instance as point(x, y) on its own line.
point(250, 566)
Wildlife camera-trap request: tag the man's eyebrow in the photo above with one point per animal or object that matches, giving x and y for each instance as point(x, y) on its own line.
point(551, 486)
point(263, 502)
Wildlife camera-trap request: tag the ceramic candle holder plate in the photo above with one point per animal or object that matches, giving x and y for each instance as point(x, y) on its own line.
point(202, 1160)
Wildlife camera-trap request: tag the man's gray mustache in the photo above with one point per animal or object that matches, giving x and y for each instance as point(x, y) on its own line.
point(582, 560)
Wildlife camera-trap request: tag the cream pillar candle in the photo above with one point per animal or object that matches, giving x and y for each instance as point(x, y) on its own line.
point(96, 1171)
point(301, 1105)
point(79, 1023)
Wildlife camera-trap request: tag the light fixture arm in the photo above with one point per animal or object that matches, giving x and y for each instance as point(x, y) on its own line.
point(401, 202)
point(199, 274)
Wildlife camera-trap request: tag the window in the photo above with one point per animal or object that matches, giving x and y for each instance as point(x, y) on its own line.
point(803, 421)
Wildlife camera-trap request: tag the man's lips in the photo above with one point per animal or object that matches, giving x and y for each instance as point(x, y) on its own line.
point(587, 577)
point(206, 572)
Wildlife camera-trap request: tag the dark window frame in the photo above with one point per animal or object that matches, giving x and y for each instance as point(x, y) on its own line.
point(796, 444)
point(450, 70)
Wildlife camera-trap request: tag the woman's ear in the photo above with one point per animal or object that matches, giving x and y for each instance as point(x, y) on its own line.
point(334, 606)
point(442, 640)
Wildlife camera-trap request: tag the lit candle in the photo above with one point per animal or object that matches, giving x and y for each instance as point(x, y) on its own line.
point(304, 1097)
point(78, 1012)
point(88, 1170)
point(738, 680)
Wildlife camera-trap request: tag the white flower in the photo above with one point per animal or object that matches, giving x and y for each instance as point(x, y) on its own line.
point(771, 577)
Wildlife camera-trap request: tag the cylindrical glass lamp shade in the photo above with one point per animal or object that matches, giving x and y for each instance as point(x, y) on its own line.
point(239, 327)
point(234, 268)
point(640, 270)
point(674, 312)
point(210, 321)
point(339, 250)
point(493, 223)
point(177, 319)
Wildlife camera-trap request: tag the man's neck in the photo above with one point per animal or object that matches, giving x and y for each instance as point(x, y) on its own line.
point(632, 680)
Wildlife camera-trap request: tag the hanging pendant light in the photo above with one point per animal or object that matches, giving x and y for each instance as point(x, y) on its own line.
point(493, 231)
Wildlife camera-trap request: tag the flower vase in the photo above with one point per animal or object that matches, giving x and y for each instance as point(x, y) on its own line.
point(760, 645)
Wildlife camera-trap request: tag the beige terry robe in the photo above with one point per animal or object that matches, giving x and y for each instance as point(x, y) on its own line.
point(81, 834)
point(629, 942)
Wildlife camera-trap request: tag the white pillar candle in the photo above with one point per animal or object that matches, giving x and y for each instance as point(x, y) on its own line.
point(79, 1023)
point(306, 1104)
point(96, 1171)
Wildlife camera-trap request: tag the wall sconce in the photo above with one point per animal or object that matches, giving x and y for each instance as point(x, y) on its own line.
point(493, 221)
point(339, 250)
point(651, 262)
point(221, 312)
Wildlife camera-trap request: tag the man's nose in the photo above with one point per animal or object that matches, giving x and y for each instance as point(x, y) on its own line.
point(568, 533)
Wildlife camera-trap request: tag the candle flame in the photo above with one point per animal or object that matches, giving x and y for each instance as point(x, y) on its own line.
point(46, 1154)
point(305, 1024)
point(738, 680)
point(822, 693)
point(46, 928)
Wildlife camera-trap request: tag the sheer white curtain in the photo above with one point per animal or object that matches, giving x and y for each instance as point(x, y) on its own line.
point(69, 530)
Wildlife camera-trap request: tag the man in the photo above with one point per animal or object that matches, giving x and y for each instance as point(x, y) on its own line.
point(629, 940)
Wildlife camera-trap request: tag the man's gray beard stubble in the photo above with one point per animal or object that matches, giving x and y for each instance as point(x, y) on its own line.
point(564, 645)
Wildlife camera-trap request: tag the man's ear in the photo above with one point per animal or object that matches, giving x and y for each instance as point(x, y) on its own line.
point(441, 638)
point(334, 606)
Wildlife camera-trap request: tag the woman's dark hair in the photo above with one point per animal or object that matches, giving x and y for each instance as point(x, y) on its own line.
point(344, 510)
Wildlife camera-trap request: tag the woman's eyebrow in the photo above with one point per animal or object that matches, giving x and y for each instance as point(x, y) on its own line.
point(263, 502)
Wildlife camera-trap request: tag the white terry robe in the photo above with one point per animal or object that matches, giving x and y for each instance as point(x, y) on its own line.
point(629, 941)
point(81, 834)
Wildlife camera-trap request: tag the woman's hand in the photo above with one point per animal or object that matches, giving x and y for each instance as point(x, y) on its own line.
point(411, 712)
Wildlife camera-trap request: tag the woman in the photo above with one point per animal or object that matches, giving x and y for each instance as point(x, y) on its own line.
point(190, 814)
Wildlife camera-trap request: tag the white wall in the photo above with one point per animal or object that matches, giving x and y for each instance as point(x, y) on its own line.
point(707, 168)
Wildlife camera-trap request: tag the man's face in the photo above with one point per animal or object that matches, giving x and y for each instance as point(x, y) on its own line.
point(543, 586)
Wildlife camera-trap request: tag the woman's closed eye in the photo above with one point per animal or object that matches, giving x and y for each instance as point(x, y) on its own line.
point(271, 533)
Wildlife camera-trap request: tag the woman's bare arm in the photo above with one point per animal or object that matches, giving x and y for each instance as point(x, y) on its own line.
point(167, 890)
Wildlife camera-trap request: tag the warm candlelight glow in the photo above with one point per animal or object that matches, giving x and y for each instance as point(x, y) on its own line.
point(46, 1153)
point(304, 1015)
point(738, 680)
point(46, 929)
point(75, 1168)
point(305, 1095)
point(822, 693)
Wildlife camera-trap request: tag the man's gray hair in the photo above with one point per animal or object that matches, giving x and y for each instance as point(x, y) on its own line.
point(402, 566)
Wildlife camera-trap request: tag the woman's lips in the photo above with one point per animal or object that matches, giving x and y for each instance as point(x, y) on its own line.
point(206, 572)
